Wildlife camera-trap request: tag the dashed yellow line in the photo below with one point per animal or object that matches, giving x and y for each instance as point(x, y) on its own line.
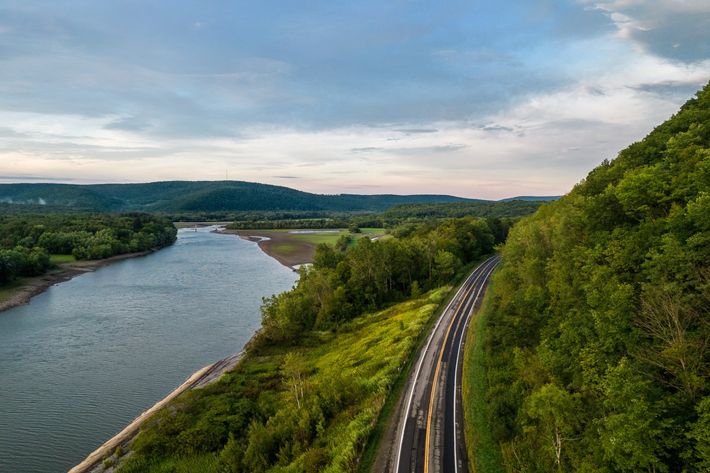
point(436, 378)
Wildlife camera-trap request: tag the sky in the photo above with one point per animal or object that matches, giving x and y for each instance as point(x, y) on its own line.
point(485, 99)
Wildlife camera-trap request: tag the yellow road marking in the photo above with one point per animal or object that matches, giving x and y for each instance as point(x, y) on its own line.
point(436, 379)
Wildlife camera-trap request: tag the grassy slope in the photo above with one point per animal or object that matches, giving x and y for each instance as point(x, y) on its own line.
point(483, 453)
point(363, 361)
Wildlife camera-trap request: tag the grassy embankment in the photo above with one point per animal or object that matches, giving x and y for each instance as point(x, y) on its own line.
point(345, 375)
point(483, 453)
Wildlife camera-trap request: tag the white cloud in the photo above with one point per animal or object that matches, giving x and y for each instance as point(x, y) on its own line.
point(678, 29)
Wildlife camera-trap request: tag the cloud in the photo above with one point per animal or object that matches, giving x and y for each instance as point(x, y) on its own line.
point(492, 127)
point(366, 149)
point(415, 131)
point(32, 178)
point(128, 124)
point(674, 29)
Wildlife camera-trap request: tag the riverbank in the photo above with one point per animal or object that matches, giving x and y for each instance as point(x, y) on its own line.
point(107, 455)
point(341, 379)
point(293, 248)
point(22, 293)
point(280, 245)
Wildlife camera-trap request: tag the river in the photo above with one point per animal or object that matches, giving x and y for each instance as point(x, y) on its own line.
point(87, 356)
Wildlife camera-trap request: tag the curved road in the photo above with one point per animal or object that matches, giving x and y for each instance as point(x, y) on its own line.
point(429, 434)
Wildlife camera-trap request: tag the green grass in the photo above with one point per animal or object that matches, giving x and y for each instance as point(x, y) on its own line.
point(285, 249)
point(204, 462)
point(483, 452)
point(354, 368)
point(317, 238)
point(60, 259)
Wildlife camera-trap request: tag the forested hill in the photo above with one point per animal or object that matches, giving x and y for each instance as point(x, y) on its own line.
point(176, 196)
point(598, 345)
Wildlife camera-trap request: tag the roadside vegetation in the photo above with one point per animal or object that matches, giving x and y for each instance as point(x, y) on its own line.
point(596, 353)
point(310, 389)
point(31, 244)
point(483, 452)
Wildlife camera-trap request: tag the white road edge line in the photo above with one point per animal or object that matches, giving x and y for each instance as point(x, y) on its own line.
point(423, 356)
point(456, 369)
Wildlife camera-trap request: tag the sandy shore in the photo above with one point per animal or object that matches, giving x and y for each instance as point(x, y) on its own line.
point(37, 285)
point(203, 377)
point(301, 252)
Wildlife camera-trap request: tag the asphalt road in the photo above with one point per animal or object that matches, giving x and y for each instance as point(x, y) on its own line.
point(429, 435)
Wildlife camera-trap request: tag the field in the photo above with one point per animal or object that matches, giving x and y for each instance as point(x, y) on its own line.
point(319, 401)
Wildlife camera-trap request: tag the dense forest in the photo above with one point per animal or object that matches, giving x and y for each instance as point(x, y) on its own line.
point(507, 208)
point(394, 217)
point(597, 348)
point(189, 196)
point(309, 390)
point(28, 241)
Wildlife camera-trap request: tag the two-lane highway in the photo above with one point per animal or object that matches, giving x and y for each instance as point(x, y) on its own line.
point(429, 435)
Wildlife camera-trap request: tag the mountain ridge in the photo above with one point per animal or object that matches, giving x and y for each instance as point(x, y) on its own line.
point(171, 196)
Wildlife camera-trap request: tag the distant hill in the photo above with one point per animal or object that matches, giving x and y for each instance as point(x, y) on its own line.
point(532, 198)
point(198, 196)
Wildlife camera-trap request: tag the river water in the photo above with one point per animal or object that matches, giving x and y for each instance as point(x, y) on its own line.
point(86, 357)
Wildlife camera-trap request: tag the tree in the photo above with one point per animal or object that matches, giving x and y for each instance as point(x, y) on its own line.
point(678, 348)
point(446, 265)
point(700, 434)
point(553, 412)
point(294, 376)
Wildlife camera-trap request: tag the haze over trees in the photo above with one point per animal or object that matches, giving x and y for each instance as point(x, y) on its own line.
point(598, 354)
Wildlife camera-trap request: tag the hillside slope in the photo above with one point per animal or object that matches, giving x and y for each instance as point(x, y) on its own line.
point(597, 355)
point(204, 196)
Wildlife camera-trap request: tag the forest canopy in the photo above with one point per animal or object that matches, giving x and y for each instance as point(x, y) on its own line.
point(27, 241)
point(597, 349)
